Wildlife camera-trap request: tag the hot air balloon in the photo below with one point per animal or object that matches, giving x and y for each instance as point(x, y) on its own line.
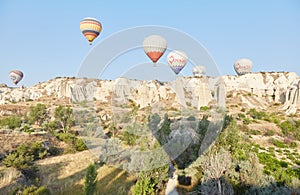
point(177, 60)
point(199, 70)
point(16, 76)
point(154, 46)
point(90, 28)
point(243, 66)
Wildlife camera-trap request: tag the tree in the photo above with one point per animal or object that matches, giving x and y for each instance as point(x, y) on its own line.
point(214, 165)
point(64, 116)
point(38, 114)
point(90, 180)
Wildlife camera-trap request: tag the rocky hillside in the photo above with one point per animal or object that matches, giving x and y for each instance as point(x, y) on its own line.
point(252, 90)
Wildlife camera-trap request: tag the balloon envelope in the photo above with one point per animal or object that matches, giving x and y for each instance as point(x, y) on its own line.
point(90, 28)
point(199, 70)
point(243, 66)
point(154, 46)
point(177, 60)
point(16, 76)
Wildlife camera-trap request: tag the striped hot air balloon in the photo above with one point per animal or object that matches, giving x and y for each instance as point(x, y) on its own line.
point(243, 66)
point(154, 46)
point(177, 60)
point(16, 76)
point(90, 28)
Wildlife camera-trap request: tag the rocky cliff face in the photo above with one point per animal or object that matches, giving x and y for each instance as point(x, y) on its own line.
point(265, 89)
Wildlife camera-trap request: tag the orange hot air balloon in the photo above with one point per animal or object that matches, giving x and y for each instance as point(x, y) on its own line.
point(90, 28)
point(154, 46)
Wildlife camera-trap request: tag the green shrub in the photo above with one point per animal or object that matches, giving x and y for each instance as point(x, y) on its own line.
point(254, 132)
point(283, 164)
point(287, 127)
point(246, 121)
point(90, 180)
point(293, 145)
point(11, 122)
point(72, 141)
point(33, 190)
point(269, 133)
point(278, 143)
point(18, 160)
point(204, 108)
point(65, 117)
point(129, 138)
point(151, 182)
point(241, 116)
point(256, 114)
point(53, 151)
point(80, 145)
point(24, 155)
point(38, 114)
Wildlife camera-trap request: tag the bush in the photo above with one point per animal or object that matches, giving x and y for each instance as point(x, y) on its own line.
point(204, 108)
point(129, 138)
point(151, 182)
point(33, 190)
point(80, 145)
point(246, 121)
point(24, 155)
point(65, 117)
point(11, 122)
point(90, 180)
point(293, 145)
point(72, 140)
point(256, 114)
point(38, 114)
point(241, 116)
point(269, 133)
point(18, 160)
point(287, 127)
point(278, 143)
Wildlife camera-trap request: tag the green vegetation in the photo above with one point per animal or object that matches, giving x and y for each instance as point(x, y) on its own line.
point(65, 117)
point(204, 108)
point(38, 114)
point(151, 182)
point(261, 115)
point(291, 128)
point(269, 133)
point(90, 180)
point(34, 190)
point(278, 143)
point(11, 122)
point(75, 143)
point(24, 155)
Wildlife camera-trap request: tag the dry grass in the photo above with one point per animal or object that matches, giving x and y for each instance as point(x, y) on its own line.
point(8, 179)
point(64, 175)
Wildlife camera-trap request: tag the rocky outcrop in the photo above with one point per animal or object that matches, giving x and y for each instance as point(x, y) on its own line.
point(265, 88)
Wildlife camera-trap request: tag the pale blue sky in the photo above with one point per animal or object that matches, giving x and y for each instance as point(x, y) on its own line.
point(42, 38)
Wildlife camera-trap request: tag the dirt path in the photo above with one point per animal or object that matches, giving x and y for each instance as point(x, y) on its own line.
point(172, 183)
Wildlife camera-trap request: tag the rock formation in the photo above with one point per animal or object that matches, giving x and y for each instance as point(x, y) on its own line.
point(264, 89)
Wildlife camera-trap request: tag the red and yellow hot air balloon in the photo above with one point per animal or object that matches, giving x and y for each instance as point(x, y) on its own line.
point(90, 28)
point(154, 46)
point(16, 76)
